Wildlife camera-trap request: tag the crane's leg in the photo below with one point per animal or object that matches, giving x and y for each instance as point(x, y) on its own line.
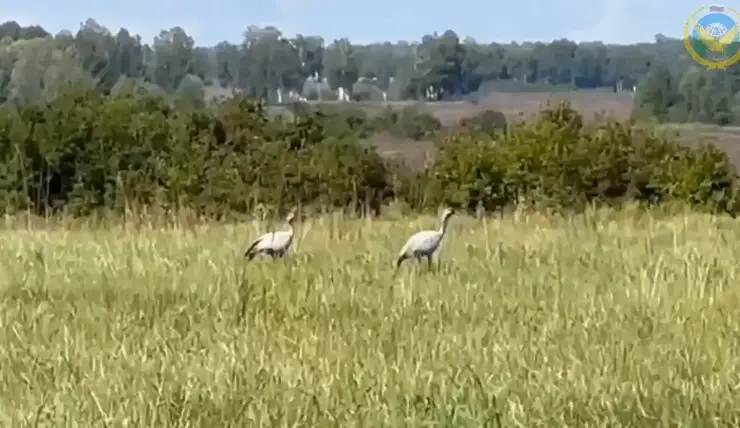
point(429, 261)
point(418, 257)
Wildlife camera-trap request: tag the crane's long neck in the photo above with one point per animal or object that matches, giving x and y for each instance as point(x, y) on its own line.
point(443, 228)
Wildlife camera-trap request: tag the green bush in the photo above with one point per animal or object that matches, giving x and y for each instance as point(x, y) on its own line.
point(340, 120)
point(417, 125)
point(559, 162)
point(406, 123)
point(82, 153)
point(487, 121)
point(343, 120)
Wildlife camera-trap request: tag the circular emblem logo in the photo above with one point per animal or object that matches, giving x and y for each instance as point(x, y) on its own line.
point(712, 36)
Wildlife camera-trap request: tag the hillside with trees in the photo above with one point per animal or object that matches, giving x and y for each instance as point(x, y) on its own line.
point(270, 66)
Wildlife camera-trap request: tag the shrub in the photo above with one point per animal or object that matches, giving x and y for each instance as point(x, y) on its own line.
point(82, 153)
point(408, 123)
point(487, 121)
point(559, 162)
point(348, 120)
point(417, 125)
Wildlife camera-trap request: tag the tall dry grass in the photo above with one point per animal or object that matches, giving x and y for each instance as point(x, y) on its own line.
point(606, 319)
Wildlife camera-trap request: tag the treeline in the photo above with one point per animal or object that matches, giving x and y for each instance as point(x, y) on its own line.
point(81, 153)
point(36, 66)
point(692, 94)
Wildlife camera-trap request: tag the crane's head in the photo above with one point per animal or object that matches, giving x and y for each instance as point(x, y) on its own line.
point(448, 213)
point(291, 217)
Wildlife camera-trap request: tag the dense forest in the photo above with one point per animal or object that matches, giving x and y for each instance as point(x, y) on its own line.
point(37, 66)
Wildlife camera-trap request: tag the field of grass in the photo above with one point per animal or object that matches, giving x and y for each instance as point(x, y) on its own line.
point(607, 319)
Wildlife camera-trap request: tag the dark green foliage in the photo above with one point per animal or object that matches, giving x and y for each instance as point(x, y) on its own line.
point(342, 120)
point(347, 120)
point(407, 123)
point(695, 95)
point(559, 162)
point(82, 153)
point(487, 121)
point(657, 96)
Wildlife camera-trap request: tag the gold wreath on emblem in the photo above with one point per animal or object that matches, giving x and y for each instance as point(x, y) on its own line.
point(711, 43)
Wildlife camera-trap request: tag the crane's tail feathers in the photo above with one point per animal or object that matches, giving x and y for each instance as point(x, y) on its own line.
point(249, 254)
point(398, 263)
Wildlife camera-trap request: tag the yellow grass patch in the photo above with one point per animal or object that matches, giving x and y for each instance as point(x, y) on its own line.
point(595, 320)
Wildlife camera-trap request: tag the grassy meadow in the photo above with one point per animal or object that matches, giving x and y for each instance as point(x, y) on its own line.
point(601, 320)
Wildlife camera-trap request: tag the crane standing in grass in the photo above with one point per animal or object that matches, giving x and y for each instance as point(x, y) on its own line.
point(424, 243)
point(274, 244)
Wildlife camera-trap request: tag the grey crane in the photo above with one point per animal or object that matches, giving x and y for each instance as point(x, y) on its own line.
point(273, 244)
point(425, 243)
